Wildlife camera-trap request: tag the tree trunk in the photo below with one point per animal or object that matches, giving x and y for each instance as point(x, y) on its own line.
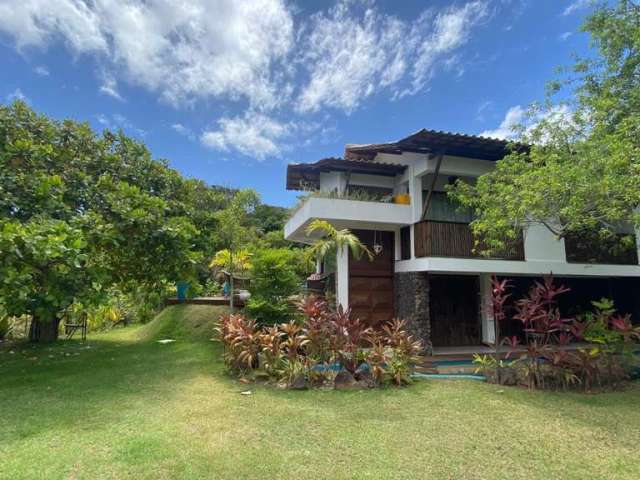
point(44, 331)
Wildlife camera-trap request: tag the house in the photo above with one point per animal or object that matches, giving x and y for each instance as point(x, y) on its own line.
point(425, 269)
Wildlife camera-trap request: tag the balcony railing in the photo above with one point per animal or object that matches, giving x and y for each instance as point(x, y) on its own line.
point(452, 239)
point(592, 249)
point(346, 213)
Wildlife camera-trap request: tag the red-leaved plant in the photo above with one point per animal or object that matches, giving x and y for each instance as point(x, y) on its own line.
point(295, 352)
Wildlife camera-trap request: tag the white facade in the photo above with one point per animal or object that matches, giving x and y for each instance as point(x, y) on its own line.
point(544, 253)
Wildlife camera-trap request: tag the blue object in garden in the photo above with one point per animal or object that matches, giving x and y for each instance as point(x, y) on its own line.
point(182, 288)
point(226, 289)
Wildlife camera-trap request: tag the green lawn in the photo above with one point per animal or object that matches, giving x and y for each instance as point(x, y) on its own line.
point(128, 407)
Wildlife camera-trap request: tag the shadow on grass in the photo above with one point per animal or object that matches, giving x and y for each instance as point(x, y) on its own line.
point(54, 386)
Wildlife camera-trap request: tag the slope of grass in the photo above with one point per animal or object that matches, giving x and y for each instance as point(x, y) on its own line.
point(128, 407)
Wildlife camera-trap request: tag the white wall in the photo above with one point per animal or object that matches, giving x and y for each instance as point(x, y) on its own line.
point(415, 192)
point(542, 245)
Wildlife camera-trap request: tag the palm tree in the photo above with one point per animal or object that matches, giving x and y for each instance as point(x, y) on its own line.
point(333, 240)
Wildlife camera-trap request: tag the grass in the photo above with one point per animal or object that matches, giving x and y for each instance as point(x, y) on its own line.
point(128, 407)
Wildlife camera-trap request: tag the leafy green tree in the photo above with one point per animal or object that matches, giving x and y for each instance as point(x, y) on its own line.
point(234, 230)
point(141, 223)
point(269, 218)
point(576, 165)
point(273, 281)
point(104, 200)
point(44, 268)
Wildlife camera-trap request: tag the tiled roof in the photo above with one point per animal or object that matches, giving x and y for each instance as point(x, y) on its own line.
point(435, 141)
point(302, 176)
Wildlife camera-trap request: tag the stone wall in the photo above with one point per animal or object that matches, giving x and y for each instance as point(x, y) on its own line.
point(412, 304)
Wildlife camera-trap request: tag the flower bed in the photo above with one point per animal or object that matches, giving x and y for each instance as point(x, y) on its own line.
point(548, 362)
point(325, 348)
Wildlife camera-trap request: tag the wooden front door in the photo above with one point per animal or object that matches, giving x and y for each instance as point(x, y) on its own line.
point(371, 283)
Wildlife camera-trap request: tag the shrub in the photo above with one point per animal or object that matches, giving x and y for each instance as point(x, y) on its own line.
point(4, 327)
point(544, 365)
point(242, 342)
point(274, 280)
point(315, 350)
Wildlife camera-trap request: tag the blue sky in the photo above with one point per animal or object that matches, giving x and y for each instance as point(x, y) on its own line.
point(230, 92)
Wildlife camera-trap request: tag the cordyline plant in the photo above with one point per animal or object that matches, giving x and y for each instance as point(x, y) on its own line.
point(242, 342)
point(314, 350)
point(547, 362)
point(539, 312)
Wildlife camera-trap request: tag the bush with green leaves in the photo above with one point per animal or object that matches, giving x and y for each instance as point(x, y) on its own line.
point(273, 282)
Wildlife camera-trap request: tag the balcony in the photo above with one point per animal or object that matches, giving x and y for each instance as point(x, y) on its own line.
point(345, 213)
point(453, 239)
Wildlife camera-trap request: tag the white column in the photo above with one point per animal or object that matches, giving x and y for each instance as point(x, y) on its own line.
point(396, 245)
point(342, 278)
point(486, 313)
point(415, 191)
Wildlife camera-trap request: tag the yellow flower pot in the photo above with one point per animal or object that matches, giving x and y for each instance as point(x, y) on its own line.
point(402, 198)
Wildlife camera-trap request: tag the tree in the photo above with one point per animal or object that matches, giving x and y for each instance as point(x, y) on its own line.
point(333, 240)
point(240, 262)
point(576, 164)
point(234, 231)
point(71, 197)
point(44, 268)
point(142, 224)
point(273, 281)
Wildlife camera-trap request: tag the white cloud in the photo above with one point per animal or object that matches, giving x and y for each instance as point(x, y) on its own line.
point(565, 36)
point(514, 116)
point(17, 95)
point(253, 134)
point(576, 5)
point(250, 53)
point(181, 50)
point(482, 108)
point(41, 70)
point(351, 53)
point(517, 116)
point(38, 22)
point(451, 29)
point(110, 87)
point(183, 130)
point(117, 121)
